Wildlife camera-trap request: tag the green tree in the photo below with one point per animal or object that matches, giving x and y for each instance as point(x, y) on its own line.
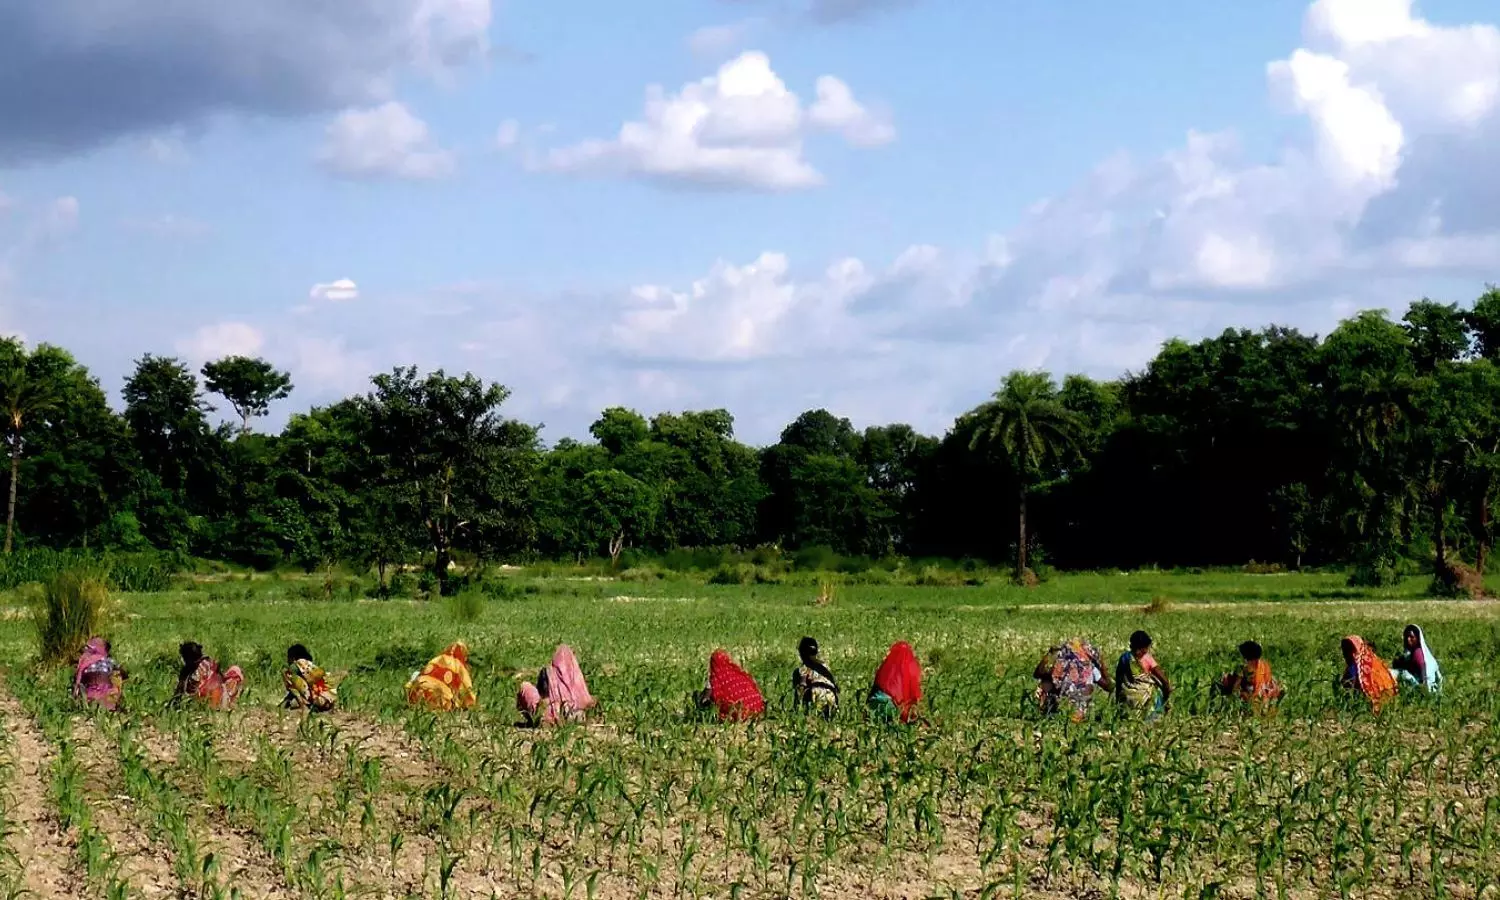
point(1484, 323)
point(250, 385)
point(1027, 423)
point(24, 398)
point(180, 476)
point(443, 449)
point(615, 507)
point(1439, 333)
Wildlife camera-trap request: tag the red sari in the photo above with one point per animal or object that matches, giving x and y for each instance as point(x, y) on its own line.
point(898, 681)
point(732, 691)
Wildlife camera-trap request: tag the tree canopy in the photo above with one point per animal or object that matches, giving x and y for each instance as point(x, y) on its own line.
point(1376, 447)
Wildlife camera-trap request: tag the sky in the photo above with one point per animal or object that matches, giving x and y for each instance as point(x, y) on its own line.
point(878, 207)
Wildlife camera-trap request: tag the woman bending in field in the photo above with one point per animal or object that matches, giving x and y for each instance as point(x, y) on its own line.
point(730, 691)
point(306, 684)
point(99, 679)
point(898, 685)
point(560, 694)
point(1140, 682)
point(444, 683)
point(1067, 676)
point(1364, 673)
point(1416, 666)
point(813, 687)
point(201, 680)
point(1252, 682)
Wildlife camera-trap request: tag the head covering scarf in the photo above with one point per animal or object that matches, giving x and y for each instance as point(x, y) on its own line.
point(1075, 669)
point(444, 683)
point(530, 704)
point(898, 681)
point(98, 679)
point(1370, 673)
point(731, 689)
point(1432, 673)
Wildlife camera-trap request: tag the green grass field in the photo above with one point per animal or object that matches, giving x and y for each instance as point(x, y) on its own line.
point(984, 799)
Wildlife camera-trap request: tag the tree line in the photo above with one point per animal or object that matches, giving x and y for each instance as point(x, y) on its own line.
point(1374, 447)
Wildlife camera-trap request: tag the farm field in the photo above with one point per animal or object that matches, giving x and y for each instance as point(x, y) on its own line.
point(984, 799)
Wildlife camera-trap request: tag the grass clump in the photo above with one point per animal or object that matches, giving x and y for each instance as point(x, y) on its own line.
point(71, 609)
point(465, 606)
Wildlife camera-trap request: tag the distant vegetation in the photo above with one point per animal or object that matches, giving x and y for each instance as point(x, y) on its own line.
point(1375, 449)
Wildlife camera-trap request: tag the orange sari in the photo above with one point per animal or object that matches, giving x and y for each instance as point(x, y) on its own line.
point(1373, 678)
point(445, 683)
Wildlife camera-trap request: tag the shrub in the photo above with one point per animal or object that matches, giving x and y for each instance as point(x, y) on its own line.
point(71, 609)
point(465, 606)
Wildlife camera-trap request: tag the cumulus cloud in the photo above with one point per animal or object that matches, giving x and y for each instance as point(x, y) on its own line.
point(339, 291)
point(508, 134)
point(113, 70)
point(384, 141)
point(739, 128)
point(222, 339)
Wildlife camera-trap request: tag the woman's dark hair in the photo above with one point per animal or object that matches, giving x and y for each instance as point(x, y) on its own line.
point(1412, 629)
point(191, 652)
point(1250, 650)
point(1347, 646)
point(544, 682)
point(1140, 640)
point(297, 652)
point(808, 649)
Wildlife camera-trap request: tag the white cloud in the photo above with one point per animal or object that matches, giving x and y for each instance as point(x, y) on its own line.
point(739, 128)
point(222, 339)
point(384, 141)
point(507, 134)
point(338, 291)
point(837, 110)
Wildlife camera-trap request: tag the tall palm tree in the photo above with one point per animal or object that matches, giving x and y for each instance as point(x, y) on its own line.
point(1028, 424)
point(22, 398)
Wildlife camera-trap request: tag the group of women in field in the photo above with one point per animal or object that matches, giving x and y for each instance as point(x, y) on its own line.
point(1070, 675)
point(100, 680)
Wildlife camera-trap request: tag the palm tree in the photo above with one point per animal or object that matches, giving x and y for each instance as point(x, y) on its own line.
point(22, 397)
point(1028, 424)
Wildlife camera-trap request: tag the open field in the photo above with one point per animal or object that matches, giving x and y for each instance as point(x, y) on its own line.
point(985, 799)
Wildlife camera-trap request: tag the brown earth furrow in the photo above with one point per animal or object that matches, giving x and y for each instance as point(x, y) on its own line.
point(143, 864)
point(49, 867)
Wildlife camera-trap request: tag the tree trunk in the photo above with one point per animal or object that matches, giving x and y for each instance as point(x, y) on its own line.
point(616, 545)
point(1021, 539)
point(440, 562)
point(10, 514)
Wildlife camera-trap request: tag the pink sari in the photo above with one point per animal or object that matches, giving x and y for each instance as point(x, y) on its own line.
point(98, 679)
point(566, 696)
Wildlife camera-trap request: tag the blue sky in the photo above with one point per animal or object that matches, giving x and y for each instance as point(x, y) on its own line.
point(878, 206)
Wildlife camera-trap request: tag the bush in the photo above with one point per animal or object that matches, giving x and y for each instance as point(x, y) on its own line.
point(815, 558)
point(71, 610)
point(465, 606)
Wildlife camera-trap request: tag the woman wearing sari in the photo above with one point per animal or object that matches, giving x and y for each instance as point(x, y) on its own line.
point(1365, 674)
point(560, 694)
point(730, 691)
point(1416, 666)
point(1068, 676)
point(898, 685)
point(306, 684)
point(99, 680)
point(1253, 684)
point(1140, 683)
point(201, 680)
point(813, 687)
point(444, 683)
